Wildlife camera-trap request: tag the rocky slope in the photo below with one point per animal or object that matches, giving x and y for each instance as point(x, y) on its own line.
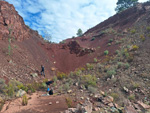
point(29, 50)
point(117, 81)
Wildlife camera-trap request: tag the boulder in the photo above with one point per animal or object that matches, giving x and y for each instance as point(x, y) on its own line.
point(34, 75)
point(20, 93)
point(125, 89)
point(145, 106)
point(69, 91)
point(130, 109)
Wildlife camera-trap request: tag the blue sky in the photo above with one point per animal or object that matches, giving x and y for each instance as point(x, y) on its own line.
point(62, 18)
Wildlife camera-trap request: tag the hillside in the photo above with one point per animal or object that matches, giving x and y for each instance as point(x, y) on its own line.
point(108, 65)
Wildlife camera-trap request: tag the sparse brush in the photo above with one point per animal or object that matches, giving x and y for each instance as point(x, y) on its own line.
point(132, 31)
point(89, 66)
point(148, 28)
point(2, 85)
point(109, 44)
point(117, 52)
point(95, 60)
point(24, 100)
point(69, 102)
point(115, 96)
point(126, 65)
point(10, 90)
point(66, 86)
point(135, 47)
point(61, 75)
point(110, 40)
point(131, 97)
point(111, 72)
point(92, 89)
point(89, 80)
point(55, 78)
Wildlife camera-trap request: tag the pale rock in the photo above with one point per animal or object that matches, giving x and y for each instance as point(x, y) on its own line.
point(57, 102)
point(20, 93)
point(50, 103)
point(69, 91)
point(126, 89)
point(145, 106)
point(102, 93)
point(130, 109)
point(82, 98)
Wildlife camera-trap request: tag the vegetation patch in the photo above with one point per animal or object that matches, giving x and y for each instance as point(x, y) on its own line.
point(24, 100)
point(106, 52)
point(89, 80)
point(69, 102)
point(61, 75)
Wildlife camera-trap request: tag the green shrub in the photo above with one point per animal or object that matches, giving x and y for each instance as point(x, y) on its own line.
point(89, 80)
point(135, 47)
point(117, 52)
point(95, 60)
point(110, 40)
point(55, 78)
point(10, 90)
point(111, 72)
point(69, 102)
point(71, 74)
point(1, 105)
point(78, 72)
point(120, 64)
point(93, 38)
point(109, 44)
point(31, 88)
point(2, 85)
point(12, 87)
point(89, 66)
point(126, 54)
point(142, 38)
point(118, 42)
point(148, 28)
point(60, 89)
point(66, 87)
point(135, 85)
point(45, 80)
point(132, 31)
point(24, 100)
point(61, 75)
point(126, 65)
point(106, 52)
point(21, 86)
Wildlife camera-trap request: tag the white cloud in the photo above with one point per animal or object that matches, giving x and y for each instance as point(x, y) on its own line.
point(62, 18)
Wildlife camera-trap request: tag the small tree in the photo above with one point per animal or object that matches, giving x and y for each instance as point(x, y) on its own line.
point(47, 36)
point(124, 4)
point(79, 32)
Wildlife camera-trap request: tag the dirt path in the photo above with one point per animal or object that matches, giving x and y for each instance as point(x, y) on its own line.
point(37, 104)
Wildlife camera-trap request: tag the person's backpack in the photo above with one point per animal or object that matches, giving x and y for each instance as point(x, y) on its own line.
point(48, 89)
point(51, 92)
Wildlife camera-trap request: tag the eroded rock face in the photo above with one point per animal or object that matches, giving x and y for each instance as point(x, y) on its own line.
point(75, 48)
point(11, 22)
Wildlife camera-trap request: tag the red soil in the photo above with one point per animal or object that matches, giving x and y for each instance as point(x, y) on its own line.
point(36, 104)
